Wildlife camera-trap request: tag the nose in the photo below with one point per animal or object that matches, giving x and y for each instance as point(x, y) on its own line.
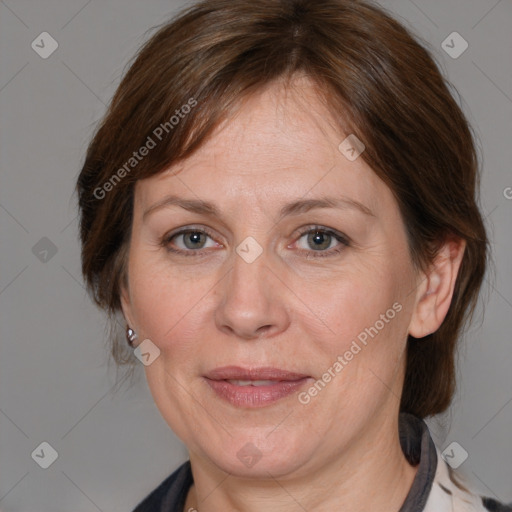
point(252, 301)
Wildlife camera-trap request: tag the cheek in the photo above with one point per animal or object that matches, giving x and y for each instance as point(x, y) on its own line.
point(167, 303)
point(351, 303)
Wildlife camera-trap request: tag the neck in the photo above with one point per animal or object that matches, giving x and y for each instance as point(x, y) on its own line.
point(372, 474)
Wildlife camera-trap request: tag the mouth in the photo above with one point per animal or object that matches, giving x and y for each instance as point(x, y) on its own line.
point(254, 387)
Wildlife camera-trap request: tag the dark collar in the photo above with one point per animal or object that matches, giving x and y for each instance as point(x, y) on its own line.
point(419, 450)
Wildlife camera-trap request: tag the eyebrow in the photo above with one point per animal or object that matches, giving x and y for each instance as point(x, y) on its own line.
point(294, 208)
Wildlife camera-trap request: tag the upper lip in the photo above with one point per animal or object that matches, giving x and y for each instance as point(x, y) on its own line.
point(262, 373)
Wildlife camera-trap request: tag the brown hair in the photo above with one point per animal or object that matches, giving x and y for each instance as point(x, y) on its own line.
point(368, 68)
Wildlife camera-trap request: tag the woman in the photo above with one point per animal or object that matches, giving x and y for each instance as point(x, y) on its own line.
point(281, 201)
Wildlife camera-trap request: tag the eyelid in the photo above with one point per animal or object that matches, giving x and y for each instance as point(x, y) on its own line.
point(187, 229)
point(344, 240)
point(166, 240)
point(329, 231)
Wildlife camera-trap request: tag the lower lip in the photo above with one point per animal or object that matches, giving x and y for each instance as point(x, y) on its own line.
point(255, 396)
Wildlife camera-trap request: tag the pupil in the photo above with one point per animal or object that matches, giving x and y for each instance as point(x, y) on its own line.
point(320, 240)
point(193, 240)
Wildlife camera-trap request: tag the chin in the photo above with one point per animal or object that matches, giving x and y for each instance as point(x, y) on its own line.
point(261, 458)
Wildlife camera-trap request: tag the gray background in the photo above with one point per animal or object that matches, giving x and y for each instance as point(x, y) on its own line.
point(55, 385)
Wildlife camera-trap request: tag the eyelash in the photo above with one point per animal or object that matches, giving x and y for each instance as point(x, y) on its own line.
point(167, 240)
point(342, 239)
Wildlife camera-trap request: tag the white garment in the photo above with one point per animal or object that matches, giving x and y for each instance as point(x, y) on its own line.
point(447, 496)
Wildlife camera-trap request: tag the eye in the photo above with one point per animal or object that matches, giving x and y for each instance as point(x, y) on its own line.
point(322, 241)
point(315, 241)
point(189, 241)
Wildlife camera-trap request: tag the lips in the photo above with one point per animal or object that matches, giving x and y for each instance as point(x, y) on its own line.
point(251, 382)
point(254, 387)
point(253, 374)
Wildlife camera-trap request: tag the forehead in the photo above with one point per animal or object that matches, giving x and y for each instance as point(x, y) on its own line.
point(281, 143)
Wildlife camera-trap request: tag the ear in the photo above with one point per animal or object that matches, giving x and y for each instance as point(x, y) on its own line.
point(126, 305)
point(435, 291)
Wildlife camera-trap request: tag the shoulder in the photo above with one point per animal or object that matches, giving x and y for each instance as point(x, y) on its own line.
point(170, 494)
point(451, 491)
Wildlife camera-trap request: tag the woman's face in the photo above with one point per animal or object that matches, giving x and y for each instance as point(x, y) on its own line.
point(280, 270)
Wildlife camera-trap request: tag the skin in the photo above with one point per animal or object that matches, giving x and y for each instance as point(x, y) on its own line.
point(288, 309)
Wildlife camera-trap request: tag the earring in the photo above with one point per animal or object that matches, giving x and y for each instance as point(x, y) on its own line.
point(131, 336)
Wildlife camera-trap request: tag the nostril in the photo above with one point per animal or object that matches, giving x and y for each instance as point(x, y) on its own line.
point(263, 329)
